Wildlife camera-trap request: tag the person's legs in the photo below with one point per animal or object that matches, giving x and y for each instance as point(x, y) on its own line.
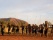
point(22, 31)
point(2, 33)
point(45, 33)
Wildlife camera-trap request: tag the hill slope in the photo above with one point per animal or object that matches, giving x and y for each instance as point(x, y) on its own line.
point(13, 21)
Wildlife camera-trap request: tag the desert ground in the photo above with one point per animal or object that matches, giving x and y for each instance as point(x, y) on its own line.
point(24, 37)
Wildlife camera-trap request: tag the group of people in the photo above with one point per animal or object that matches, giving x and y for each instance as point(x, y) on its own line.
point(34, 29)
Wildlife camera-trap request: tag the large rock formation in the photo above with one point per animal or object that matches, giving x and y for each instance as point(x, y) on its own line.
point(13, 21)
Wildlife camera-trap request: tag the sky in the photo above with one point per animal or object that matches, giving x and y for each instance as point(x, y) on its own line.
point(32, 11)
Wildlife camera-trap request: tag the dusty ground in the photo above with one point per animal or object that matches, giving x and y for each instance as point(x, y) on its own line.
point(24, 37)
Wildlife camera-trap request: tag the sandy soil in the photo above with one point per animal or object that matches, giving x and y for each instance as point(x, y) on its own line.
point(24, 37)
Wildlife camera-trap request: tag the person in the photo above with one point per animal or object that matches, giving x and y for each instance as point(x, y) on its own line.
point(2, 29)
point(26, 29)
point(36, 29)
point(29, 28)
point(46, 30)
point(22, 29)
point(41, 30)
point(13, 28)
point(32, 28)
point(9, 28)
point(17, 30)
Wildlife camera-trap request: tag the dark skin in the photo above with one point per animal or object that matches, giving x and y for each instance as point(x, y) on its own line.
point(22, 28)
point(29, 28)
point(2, 28)
point(8, 28)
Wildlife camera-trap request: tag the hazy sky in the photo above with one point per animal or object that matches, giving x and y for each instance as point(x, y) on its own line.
point(32, 11)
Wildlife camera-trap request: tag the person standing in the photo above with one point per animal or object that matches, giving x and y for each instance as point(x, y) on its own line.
point(46, 29)
point(2, 29)
point(17, 29)
point(41, 30)
point(45, 32)
point(33, 29)
point(26, 30)
point(29, 28)
point(9, 28)
point(36, 29)
point(22, 29)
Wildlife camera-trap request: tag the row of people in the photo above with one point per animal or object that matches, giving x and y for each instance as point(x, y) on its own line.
point(29, 29)
point(36, 29)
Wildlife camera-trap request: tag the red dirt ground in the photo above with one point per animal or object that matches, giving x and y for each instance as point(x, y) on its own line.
point(24, 37)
